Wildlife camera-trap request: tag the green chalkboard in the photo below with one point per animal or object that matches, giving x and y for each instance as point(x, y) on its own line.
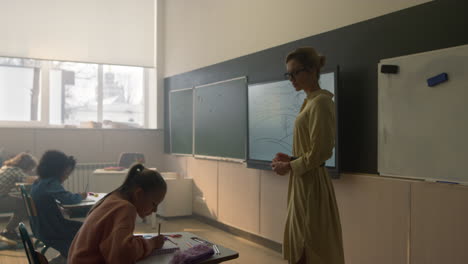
point(221, 119)
point(181, 121)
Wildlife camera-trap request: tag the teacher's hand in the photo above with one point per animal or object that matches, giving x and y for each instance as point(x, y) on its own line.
point(280, 167)
point(281, 157)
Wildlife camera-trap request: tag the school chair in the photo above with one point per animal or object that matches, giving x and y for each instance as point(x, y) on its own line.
point(126, 159)
point(32, 215)
point(34, 257)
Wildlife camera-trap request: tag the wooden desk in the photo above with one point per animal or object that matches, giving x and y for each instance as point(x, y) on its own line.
point(106, 181)
point(226, 253)
point(88, 202)
point(23, 183)
point(17, 192)
point(81, 209)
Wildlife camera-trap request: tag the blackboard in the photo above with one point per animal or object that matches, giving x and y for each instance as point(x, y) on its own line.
point(422, 128)
point(181, 121)
point(272, 110)
point(220, 114)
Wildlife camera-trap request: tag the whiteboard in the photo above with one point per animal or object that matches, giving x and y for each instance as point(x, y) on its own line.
point(273, 108)
point(422, 130)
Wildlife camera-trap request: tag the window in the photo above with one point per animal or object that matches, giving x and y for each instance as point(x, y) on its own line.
point(19, 89)
point(76, 94)
point(123, 94)
point(73, 93)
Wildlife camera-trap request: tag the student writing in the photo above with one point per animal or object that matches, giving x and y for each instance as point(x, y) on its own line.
point(53, 229)
point(107, 233)
point(14, 170)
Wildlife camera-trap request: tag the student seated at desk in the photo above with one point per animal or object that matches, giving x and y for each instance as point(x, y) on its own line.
point(14, 170)
point(107, 233)
point(53, 229)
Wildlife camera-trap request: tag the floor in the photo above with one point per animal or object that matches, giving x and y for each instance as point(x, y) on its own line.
point(249, 252)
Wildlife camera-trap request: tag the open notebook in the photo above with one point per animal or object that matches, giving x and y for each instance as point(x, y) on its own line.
point(167, 248)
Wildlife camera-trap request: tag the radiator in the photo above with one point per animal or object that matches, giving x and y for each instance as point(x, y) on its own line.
point(80, 176)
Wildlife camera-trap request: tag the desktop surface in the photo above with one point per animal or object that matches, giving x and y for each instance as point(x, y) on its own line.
point(184, 242)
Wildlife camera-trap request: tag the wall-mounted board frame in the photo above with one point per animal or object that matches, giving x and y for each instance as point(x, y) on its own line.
point(272, 110)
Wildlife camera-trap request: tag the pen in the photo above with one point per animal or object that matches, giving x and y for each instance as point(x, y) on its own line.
point(86, 188)
point(159, 229)
point(166, 238)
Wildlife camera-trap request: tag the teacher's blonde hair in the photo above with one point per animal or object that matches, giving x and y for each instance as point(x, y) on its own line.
point(308, 57)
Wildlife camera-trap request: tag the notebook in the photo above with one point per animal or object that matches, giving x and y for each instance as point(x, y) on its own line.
point(167, 248)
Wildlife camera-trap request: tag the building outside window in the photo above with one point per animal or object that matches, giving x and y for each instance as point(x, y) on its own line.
point(76, 94)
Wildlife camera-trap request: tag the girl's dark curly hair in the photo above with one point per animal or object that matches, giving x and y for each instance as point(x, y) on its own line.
point(54, 163)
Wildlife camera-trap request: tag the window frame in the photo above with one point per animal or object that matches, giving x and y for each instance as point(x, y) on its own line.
point(43, 114)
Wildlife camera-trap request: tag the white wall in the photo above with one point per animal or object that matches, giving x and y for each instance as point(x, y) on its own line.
point(205, 32)
point(86, 145)
point(104, 31)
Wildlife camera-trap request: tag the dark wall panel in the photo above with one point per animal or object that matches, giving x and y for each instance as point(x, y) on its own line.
point(356, 49)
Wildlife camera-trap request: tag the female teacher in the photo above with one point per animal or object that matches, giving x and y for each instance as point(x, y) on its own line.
point(313, 230)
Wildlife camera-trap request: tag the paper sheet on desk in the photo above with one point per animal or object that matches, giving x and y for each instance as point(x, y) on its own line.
point(167, 248)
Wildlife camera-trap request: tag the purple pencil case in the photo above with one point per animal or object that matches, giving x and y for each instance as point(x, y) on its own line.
point(192, 255)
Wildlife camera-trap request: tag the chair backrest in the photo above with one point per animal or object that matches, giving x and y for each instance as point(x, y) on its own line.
point(30, 209)
point(126, 159)
point(28, 245)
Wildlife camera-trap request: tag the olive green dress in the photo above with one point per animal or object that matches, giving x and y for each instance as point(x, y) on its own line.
point(313, 222)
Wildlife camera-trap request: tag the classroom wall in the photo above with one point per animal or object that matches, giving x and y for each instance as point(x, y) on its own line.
point(202, 33)
point(86, 145)
point(384, 220)
point(104, 31)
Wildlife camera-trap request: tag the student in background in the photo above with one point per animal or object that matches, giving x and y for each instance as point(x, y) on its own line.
point(54, 230)
point(13, 171)
point(107, 233)
point(313, 230)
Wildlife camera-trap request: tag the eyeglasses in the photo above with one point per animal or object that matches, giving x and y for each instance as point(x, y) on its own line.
point(293, 74)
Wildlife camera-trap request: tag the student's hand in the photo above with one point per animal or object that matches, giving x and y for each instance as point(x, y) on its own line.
point(158, 241)
point(280, 167)
point(84, 195)
point(281, 157)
